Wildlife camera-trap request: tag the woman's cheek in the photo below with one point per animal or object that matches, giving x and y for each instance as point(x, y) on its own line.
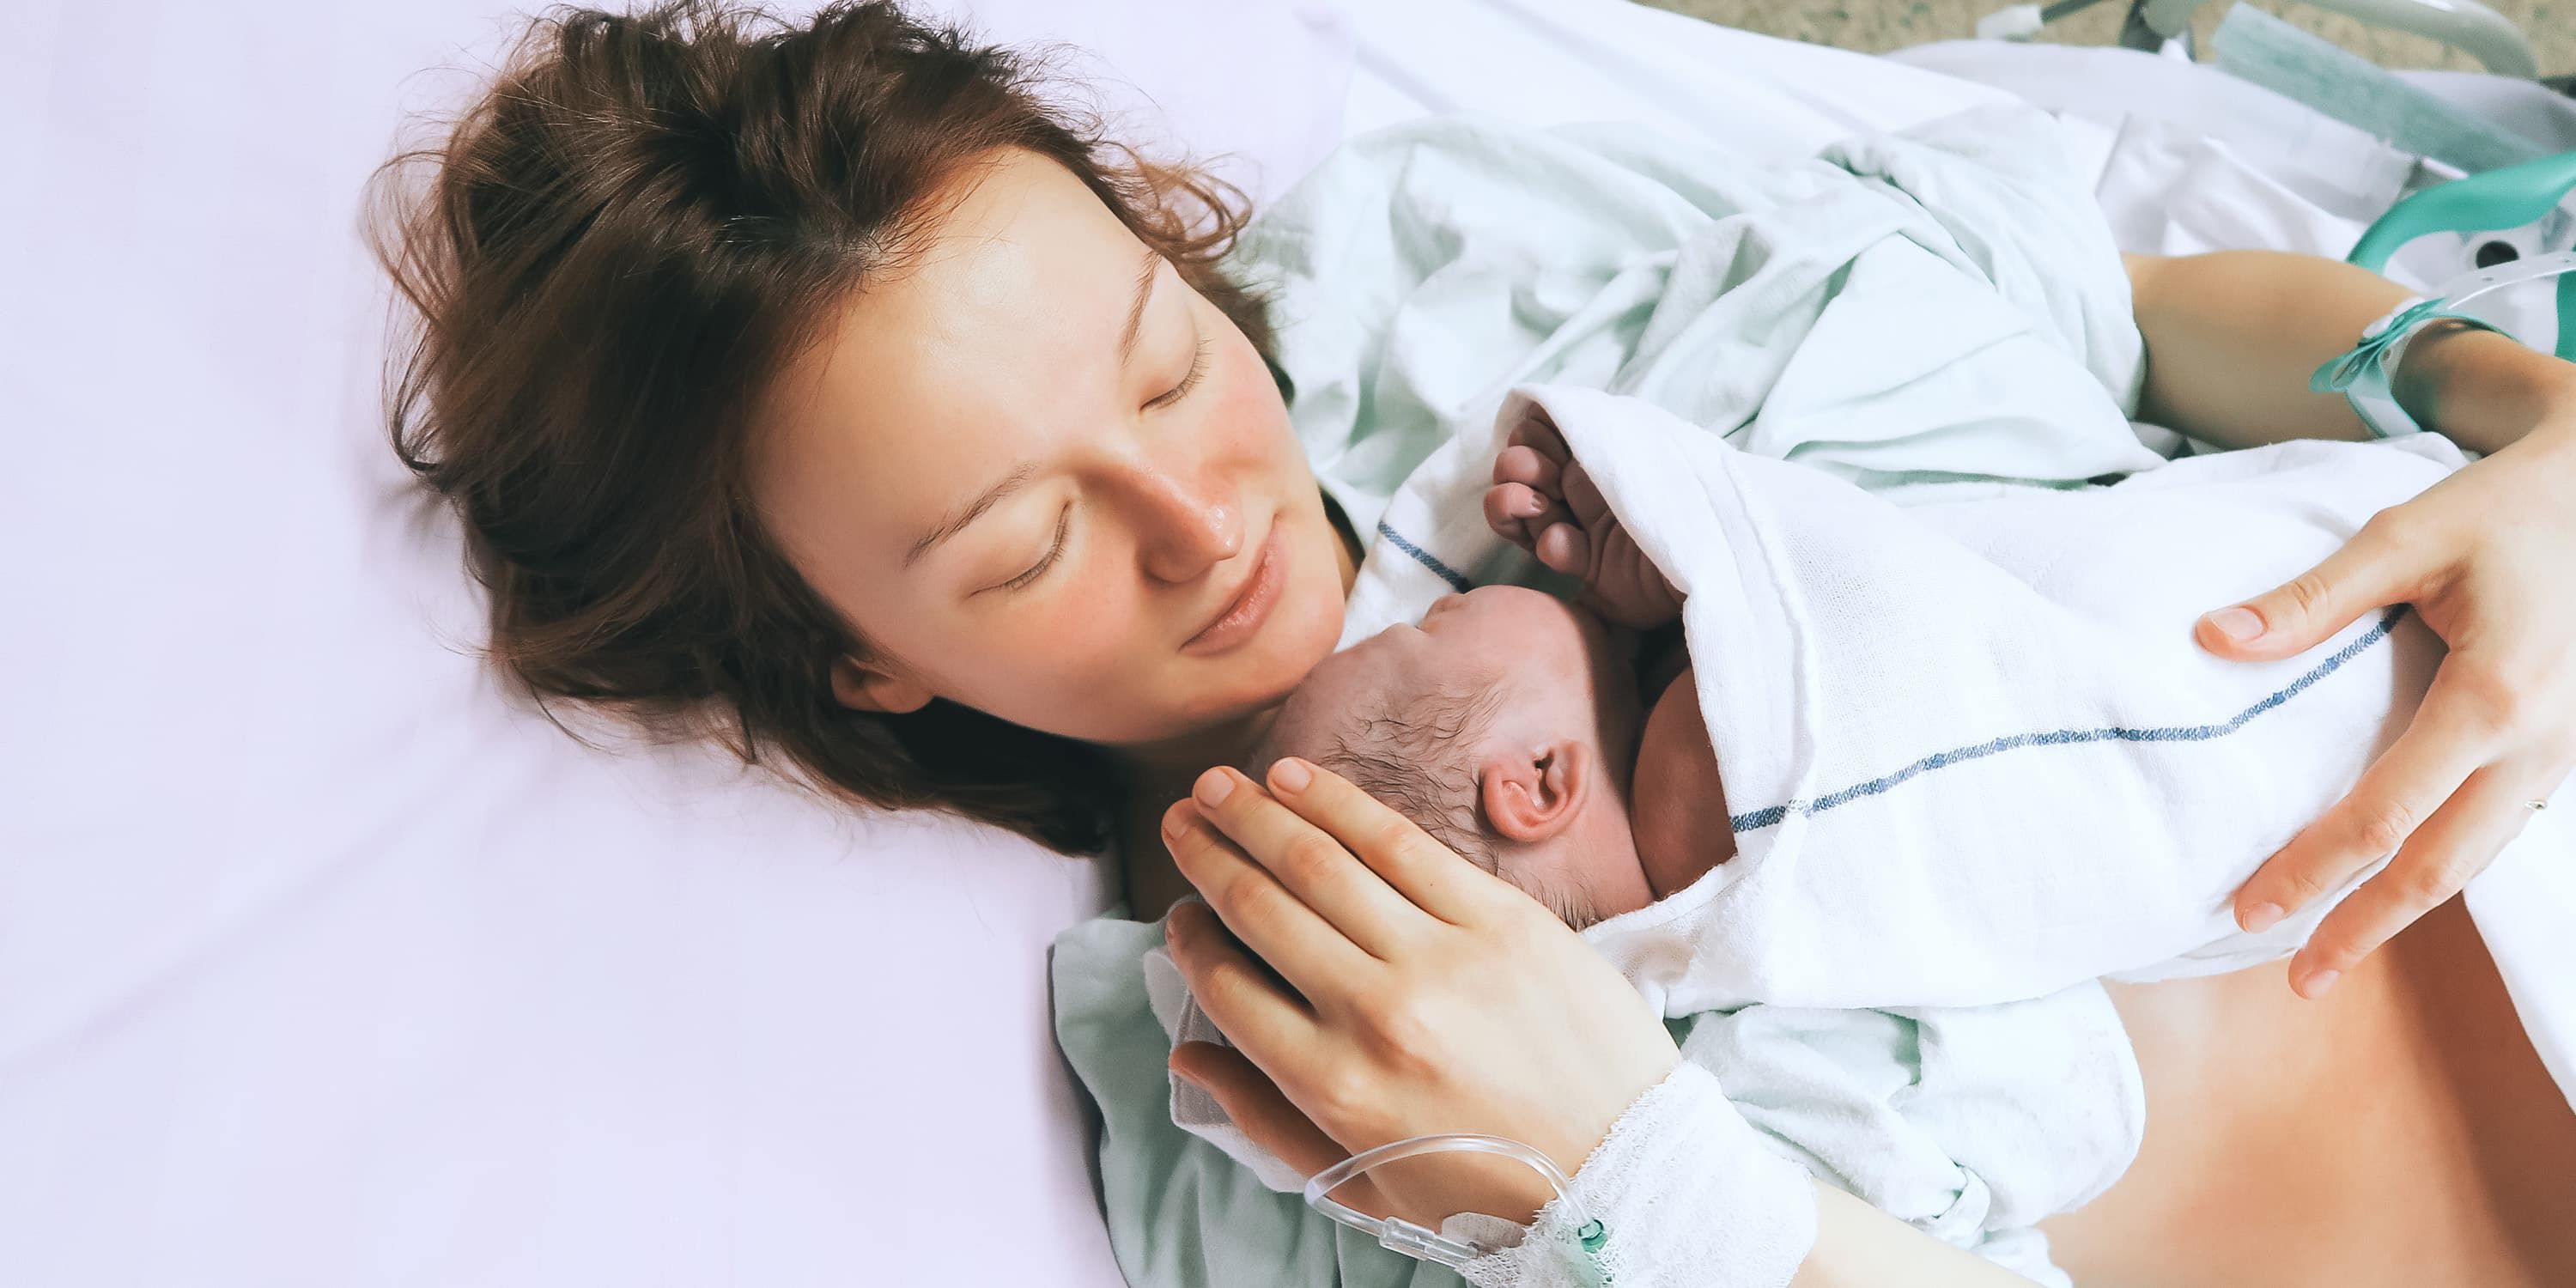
point(1072, 646)
point(1249, 414)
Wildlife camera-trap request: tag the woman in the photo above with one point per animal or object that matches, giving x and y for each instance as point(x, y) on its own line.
point(819, 390)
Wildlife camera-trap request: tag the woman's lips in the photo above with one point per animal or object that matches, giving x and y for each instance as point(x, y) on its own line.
point(1243, 617)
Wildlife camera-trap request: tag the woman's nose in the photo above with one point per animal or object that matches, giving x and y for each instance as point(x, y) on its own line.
point(1185, 528)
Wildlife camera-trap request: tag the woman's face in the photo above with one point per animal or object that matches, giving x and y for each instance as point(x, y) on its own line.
point(1048, 480)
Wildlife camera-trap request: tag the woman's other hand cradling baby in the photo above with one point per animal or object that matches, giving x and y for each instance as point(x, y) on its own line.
point(2484, 558)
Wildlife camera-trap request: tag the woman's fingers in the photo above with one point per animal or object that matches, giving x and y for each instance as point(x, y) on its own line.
point(1293, 939)
point(1247, 1003)
point(1306, 862)
point(2373, 570)
point(1256, 1105)
point(1423, 870)
point(2399, 791)
point(2452, 846)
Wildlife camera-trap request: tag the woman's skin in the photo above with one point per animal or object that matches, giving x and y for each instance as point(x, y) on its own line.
point(2482, 556)
point(1112, 469)
point(1106, 458)
point(2402, 1132)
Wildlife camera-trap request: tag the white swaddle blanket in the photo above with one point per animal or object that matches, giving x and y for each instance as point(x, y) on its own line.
point(1971, 752)
point(1974, 761)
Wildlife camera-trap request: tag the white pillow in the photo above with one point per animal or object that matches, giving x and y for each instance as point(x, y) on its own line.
point(1253, 91)
point(1542, 62)
point(323, 962)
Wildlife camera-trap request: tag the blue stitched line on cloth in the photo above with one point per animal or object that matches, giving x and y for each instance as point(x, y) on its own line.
point(1762, 818)
point(1424, 557)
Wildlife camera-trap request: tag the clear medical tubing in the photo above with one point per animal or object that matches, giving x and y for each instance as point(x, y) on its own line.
point(1399, 1235)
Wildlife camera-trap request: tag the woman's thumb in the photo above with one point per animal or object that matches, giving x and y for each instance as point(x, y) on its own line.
point(1256, 1106)
point(2305, 611)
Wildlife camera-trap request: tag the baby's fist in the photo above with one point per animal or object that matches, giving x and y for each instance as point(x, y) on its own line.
point(1544, 502)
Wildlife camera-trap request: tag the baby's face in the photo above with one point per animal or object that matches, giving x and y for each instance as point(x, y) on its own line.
point(1556, 674)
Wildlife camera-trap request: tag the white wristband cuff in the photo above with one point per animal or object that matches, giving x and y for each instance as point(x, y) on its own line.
point(1688, 1195)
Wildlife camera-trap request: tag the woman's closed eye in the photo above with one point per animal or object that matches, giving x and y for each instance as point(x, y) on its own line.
point(1055, 550)
point(1198, 368)
point(1064, 521)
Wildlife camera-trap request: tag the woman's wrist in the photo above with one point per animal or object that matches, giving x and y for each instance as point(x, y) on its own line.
point(2482, 389)
point(1685, 1191)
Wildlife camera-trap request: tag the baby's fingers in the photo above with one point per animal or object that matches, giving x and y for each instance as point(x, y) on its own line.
point(1526, 465)
point(1583, 496)
point(1565, 548)
point(1537, 433)
point(1518, 515)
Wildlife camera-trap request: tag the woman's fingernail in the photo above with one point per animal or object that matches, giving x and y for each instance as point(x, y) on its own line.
point(1291, 774)
point(2318, 982)
point(1213, 787)
point(2262, 917)
point(1530, 507)
point(1184, 1075)
point(2238, 624)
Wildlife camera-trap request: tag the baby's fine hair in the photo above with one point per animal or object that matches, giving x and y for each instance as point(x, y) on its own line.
point(1417, 753)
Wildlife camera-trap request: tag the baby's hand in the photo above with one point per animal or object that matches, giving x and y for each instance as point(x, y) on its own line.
point(1543, 502)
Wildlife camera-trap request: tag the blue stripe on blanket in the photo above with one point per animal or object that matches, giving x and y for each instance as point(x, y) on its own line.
point(1761, 818)
point(1425, 558)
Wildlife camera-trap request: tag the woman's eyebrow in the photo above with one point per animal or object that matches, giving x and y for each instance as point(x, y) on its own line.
point(1136, 310)
point(957, 519)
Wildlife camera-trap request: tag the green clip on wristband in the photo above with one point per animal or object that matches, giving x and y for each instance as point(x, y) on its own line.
point(2362, 373)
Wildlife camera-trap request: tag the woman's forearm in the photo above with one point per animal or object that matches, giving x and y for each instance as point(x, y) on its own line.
point(2232, 337)
point(1858, 1246)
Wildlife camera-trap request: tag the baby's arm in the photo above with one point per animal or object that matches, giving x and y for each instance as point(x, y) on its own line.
point(1543, 502)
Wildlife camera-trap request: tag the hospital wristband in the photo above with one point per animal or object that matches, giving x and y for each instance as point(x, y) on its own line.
point(1687, 1193)
point(2362, 373)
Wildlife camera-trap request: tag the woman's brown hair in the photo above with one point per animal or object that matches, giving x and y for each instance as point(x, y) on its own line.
point(614, 252)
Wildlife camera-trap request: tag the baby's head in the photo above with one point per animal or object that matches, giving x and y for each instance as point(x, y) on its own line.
point(1505, 725)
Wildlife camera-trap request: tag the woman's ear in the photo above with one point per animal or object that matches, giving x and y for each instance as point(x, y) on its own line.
point(861, 687)
point(1534, 795)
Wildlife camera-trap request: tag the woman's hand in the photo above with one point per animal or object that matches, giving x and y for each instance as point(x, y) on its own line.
point(2488, 559)
point(1413, 993)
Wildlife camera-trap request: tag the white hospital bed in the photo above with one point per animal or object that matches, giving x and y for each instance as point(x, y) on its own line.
point(323, 962)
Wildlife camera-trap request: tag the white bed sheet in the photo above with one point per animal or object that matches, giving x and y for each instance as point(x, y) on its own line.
point(324, 963)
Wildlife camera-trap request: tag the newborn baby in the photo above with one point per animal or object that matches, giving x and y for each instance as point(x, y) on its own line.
point(2000, 664)
point(1507, 722)
point(1976, 765)
point(1508, 725)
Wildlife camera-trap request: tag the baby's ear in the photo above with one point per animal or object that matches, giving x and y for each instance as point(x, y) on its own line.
point(1532, 795)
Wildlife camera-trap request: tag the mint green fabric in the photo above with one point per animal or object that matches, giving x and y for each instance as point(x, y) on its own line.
point(1908, 311)
point(1182, 1214)
point(1941, 303)
point(1970, 1123)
